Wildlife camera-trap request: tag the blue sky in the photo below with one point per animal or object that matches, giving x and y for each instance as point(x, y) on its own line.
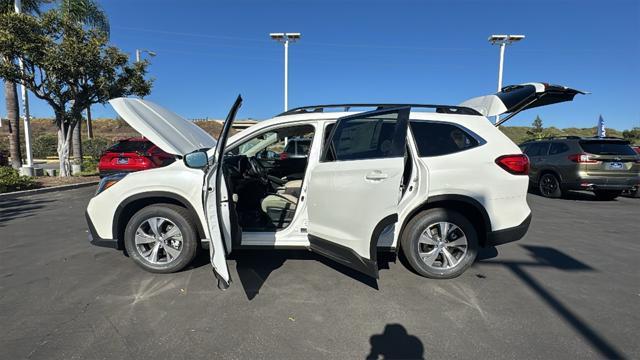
point(381, 51)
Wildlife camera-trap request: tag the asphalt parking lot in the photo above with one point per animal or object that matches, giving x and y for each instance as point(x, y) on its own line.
point(570, 288)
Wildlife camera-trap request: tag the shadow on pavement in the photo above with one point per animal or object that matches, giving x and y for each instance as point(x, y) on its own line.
point(395, 343)
point(575, 196)
point(551, 258)
point(17, 208)
point(254, 267)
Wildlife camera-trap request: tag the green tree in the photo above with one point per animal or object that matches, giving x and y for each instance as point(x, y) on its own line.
point(90, 15)
point(64, 62)
point(10, 89)
point(537, 129)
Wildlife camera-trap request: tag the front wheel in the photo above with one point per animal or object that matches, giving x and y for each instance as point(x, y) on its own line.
point(607, 195)
point(161, 238)
point(440, 243)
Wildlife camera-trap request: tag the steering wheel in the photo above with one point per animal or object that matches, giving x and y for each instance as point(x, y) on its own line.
point(257, 169)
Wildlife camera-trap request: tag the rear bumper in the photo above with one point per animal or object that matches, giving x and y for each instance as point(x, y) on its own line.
point(508, 235)
point(104, 173)
point(602, 184)
point(95, 239)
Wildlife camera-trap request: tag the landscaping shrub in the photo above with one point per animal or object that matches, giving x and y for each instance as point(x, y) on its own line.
point(45, 145)
point(11, 180)
point(94, 148)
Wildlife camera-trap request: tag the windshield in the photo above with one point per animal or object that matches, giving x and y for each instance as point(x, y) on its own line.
point(604, 147)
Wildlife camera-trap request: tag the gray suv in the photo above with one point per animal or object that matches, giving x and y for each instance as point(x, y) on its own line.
point(606, 166)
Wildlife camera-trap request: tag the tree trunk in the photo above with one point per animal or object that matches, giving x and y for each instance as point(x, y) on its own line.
point(13, 113)
point(77, 143)
point(89, 125)
point(64, 139)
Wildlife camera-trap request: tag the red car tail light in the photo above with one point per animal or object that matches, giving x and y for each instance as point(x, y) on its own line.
point(284, 156)
point(517, 164)
point(582, 158)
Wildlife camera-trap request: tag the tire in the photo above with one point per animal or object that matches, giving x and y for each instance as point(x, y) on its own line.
point(174, 253)
point(415, 246)
point(549, 186)
point(607, 195)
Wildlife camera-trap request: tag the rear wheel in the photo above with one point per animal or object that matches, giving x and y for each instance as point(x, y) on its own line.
point(440, 243)
point(549, 186)
point(607, 194)
point(161, 238)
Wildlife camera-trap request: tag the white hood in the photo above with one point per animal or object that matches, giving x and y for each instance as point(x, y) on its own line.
point(169, 131)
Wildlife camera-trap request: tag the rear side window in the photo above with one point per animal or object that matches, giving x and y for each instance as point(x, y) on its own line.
point(435, 139)
point(364, 139)
point(537, 149)
point(604, 147)
point(558, 148)
point(131, 146)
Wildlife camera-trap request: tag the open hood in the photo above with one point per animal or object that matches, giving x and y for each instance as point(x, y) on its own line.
point(166, 129)
point(515, 98)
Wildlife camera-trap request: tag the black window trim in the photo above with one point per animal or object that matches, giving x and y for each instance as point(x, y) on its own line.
point(325, 149)
point(475, 136)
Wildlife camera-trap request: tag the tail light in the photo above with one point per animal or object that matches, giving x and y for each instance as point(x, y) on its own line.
point(582, 158)
point(517, 164)
point(284, 156)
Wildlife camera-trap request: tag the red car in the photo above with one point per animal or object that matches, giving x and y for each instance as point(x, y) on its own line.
point(133, 154)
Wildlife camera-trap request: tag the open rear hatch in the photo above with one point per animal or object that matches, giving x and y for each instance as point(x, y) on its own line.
point(515, 98)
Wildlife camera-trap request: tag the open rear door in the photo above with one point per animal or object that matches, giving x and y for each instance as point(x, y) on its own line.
point(516, 98)
point(354, 190)
point(216, 199)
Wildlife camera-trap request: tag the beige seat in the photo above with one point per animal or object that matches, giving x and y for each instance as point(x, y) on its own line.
point(292, 188)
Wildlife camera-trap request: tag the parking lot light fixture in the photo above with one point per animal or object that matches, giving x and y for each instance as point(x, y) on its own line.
point(140, 51)
point(286, 38)
point(503, 41)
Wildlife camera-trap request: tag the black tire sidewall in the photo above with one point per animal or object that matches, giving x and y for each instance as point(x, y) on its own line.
point(178, 216)
point(415, 227)
point(555, 194)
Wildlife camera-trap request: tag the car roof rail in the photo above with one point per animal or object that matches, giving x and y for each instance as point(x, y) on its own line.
point(604, 137)
point(443, 109)
point(553, 138)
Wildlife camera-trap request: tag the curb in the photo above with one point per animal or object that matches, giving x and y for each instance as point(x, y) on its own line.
point(47, 189)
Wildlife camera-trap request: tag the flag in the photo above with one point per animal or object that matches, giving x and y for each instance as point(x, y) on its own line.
point(602, 132)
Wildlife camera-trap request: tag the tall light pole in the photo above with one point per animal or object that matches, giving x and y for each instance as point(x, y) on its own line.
point(503, 41)
point(286, 38)
point(28, 168)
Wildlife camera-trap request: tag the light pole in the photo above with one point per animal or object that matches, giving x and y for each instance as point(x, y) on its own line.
point(140, 51)
point(503, 41)
point(28, 168)
point(286, 38)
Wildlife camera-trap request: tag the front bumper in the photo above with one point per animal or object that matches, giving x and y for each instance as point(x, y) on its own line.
point(96, 240)
point(508, 235)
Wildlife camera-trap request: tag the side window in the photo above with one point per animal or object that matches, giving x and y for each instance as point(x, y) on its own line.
point(434, 139)
point(367, 137)
point(537, 149)
point(558, 148)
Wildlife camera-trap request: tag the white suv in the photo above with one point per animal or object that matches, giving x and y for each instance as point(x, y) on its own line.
point(435, 181)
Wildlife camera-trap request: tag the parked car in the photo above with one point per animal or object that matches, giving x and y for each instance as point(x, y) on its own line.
point(606, 166)
point(433, 181)
point(133, 154)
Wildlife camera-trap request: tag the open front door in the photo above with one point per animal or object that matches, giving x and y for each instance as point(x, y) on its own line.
point(216, 204)
point(354, 190)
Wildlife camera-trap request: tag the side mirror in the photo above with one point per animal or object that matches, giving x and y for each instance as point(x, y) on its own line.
point(197, 159)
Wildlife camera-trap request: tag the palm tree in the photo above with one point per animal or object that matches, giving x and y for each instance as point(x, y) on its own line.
point(10, 89)
point(89, 14)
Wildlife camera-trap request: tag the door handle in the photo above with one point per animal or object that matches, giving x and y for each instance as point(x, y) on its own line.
point(376, 175)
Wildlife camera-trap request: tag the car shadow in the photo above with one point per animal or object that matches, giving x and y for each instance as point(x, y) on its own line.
point(572, 195)
point(395, 343)
point(254, 268)
point(17, 208)
point(547, 257)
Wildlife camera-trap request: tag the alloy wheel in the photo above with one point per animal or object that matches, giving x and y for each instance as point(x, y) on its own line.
point(548, 185)
point(158, 240)
point(442, 245)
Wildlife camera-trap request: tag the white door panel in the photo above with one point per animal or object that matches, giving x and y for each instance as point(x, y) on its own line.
point(344, 217)
point(354, 190)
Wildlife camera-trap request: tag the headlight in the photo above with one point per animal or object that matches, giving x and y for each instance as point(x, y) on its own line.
point(109, 181)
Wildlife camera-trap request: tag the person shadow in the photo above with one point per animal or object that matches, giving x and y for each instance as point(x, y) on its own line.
point(395, 343)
